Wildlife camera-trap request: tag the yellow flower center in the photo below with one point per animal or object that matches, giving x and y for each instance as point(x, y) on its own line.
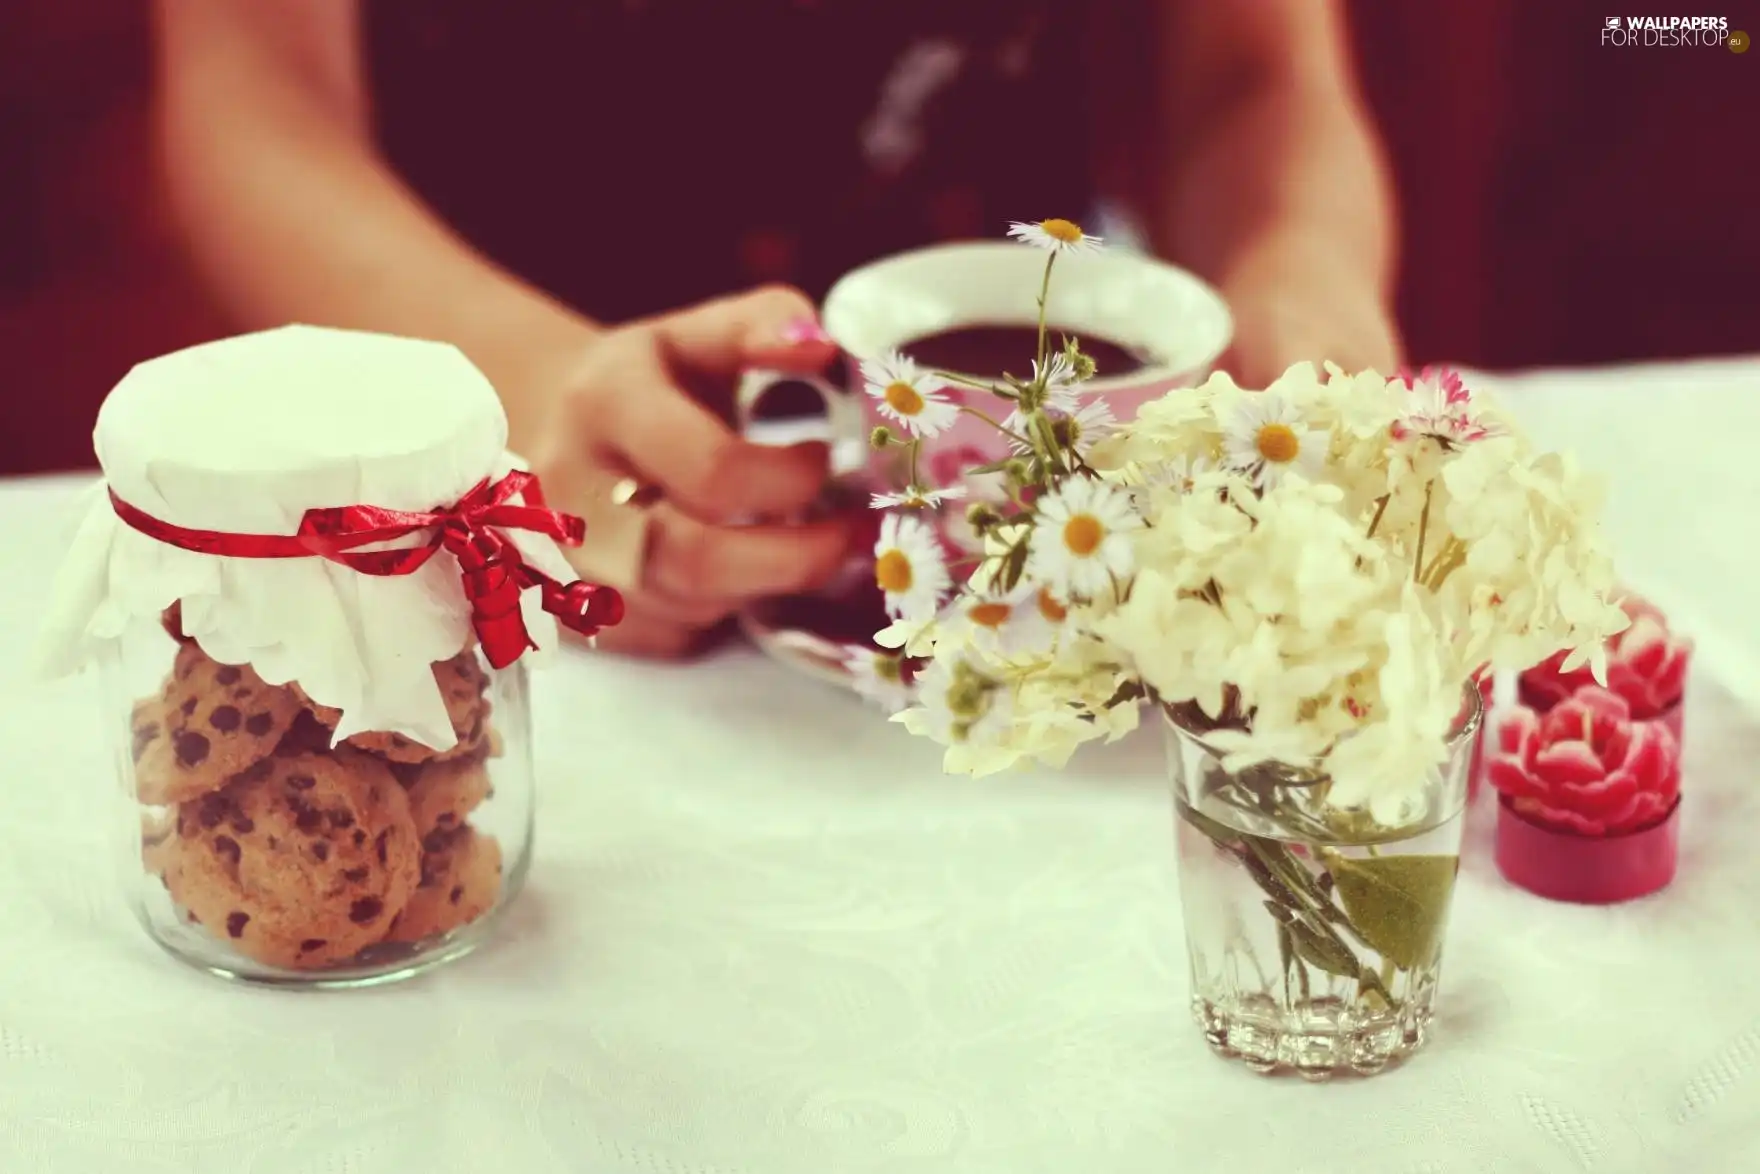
point(889, 668)
point(1278, 443)
point(1082, 534)
point(1067, 231)
point(892, 572)
point(1050, 608)
point(990, 614)
point(904, 399)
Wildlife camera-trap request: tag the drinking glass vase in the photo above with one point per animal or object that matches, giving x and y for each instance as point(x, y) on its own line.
point(1314, 934)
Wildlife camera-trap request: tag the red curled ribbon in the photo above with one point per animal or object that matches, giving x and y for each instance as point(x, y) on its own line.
point(470, 530)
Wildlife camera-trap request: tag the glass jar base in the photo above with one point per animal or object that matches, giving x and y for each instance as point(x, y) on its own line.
point(380, 965)
point(376, 966)
point(1318, 1040)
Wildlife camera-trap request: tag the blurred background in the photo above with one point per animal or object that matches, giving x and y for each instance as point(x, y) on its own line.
point(1562, 203)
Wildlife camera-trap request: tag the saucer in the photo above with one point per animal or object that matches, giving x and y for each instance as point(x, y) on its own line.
point(810, 633)
point(799, 631)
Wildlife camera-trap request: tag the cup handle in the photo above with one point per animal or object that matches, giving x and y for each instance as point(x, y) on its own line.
point(843, 414)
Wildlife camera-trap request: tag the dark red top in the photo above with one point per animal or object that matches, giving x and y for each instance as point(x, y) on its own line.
point(633, 155)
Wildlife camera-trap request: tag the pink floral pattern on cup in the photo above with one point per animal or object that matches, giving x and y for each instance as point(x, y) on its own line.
point(1586, 767)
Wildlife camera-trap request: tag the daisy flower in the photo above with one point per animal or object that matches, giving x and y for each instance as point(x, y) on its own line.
point(1088, 425)
point(878, 677)
point(1266, 438)
point(909, 568)
point(1439, 406)
point(910, 395)
point(957, 704)
point(915, 497)
point(1081, 544)
point(1011, 622)
point(1057, 375)
point(1054, 236)
point(1079, 430)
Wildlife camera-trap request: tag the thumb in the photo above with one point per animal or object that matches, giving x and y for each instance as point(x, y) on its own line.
point(774, 327)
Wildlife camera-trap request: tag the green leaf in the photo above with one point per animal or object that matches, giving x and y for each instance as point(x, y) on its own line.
point(1322, 952)
point(1219, 834)
point(992, 467)
point(1398, 905)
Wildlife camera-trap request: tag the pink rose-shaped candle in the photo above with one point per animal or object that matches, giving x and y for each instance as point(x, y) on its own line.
point(1586, 767)
point(1646, 667)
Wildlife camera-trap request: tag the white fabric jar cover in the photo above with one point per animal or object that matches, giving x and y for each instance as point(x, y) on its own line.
point(245, 436)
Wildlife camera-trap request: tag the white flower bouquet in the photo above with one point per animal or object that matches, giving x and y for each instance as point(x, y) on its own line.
point(1306, 578)
point(1317, 568)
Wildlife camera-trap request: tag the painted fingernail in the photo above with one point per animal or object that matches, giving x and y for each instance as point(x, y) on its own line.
point(804, 330)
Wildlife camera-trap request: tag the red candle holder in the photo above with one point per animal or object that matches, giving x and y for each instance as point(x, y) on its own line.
point(1589, 798)
point(1586, 870)
point(1672, 717)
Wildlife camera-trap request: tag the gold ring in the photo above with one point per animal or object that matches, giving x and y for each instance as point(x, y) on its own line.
point(627, 491)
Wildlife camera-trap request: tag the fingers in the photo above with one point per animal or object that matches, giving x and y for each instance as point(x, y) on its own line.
point(690, 573)
point(688, 560)
point(701, 465)
point(773, 327)
point(649, 635)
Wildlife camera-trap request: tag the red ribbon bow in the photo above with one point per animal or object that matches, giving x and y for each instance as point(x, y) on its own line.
point(470, 530)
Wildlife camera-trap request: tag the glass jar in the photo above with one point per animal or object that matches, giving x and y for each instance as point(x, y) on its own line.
point(314, 577)
point(1314, 935)
point(259, 846)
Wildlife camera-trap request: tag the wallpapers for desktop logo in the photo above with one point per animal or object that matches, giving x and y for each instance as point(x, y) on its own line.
point(1673, 32)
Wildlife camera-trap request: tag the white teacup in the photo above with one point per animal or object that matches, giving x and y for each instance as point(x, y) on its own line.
point(1171, 322)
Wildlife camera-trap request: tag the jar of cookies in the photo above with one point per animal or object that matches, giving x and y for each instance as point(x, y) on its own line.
point(314, 581)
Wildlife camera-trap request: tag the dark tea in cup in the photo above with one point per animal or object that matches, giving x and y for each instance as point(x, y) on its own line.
point(991, 350)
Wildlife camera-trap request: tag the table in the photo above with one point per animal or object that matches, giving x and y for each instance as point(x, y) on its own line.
point(764, 935)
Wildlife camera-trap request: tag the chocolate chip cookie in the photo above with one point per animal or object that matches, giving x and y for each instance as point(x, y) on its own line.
point(157, 830)
point(211, 722)
point(443, 793)
point(171, 619)
point(464, 685)
point(460, 881)
point(300, 862)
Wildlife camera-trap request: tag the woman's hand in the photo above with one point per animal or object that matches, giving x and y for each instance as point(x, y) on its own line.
point(717, 525)
point(1294, 303)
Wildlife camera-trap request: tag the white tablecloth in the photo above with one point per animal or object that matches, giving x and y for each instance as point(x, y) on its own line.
point(765, 935)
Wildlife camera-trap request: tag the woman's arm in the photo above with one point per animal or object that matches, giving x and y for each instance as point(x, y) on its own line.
point(292, 216)
point(1273, 184)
